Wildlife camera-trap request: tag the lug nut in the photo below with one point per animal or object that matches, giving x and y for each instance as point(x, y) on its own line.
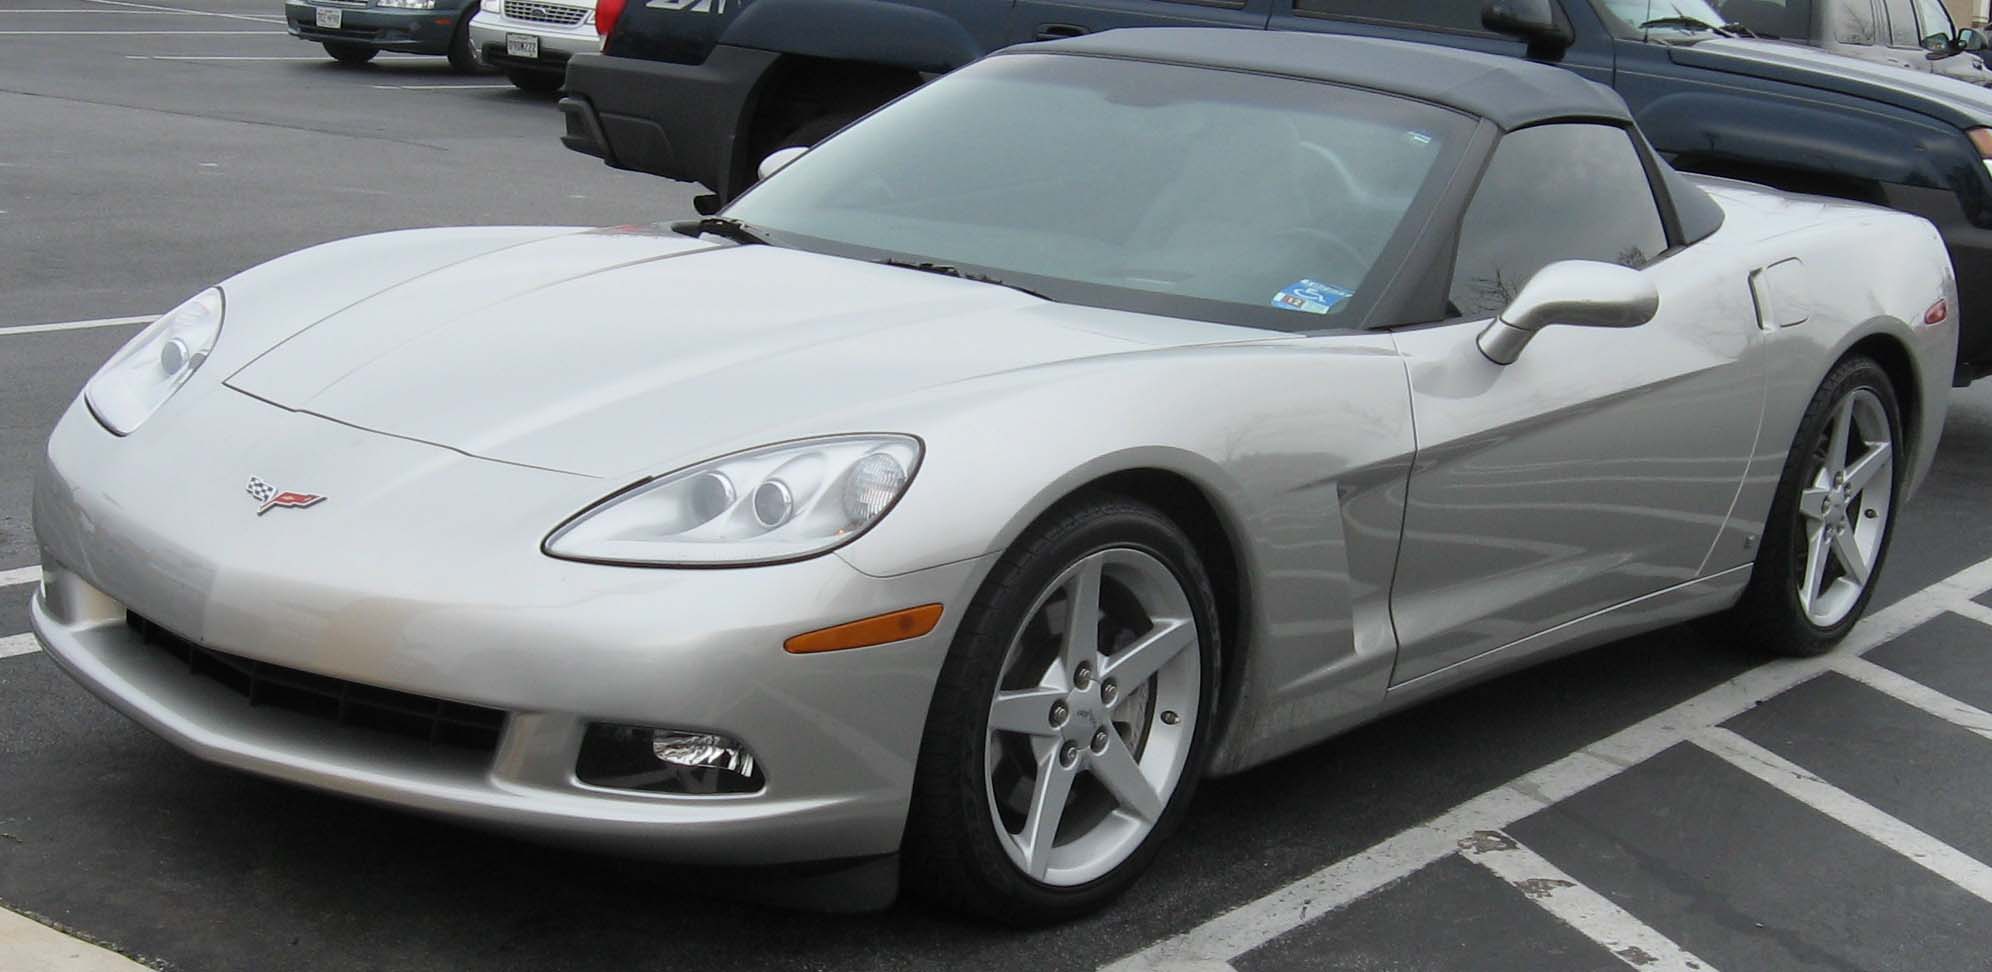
point(1058, 713)
point(1108, 690)
point(1100, 741)
point(1070, 755)
point(1083, 676)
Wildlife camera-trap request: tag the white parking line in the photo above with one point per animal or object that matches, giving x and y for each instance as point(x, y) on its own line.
point(30, 574)
point(1796, 782)
point(157, 8)
point(1975, 611)
point(77, 325)
point(29, 944)
point(1217, 941)
point(140, 33)
point(1592, 914)
point(107, 13)
point(222, 57)
point(20, 644)
point(1915, 693)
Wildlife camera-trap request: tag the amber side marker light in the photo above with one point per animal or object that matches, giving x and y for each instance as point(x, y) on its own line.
point(1938, 312)
point(896, 626)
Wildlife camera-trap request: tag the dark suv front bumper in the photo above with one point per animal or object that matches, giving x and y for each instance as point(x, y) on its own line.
point(680, 121)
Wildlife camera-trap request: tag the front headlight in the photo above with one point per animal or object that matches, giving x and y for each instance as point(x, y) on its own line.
point(776, 503)
point(141, 377)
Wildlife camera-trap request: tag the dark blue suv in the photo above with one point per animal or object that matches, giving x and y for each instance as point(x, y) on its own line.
point(702, 90)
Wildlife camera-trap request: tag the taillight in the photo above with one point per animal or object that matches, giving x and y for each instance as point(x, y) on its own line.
point(1938, 313)
point(606, 14)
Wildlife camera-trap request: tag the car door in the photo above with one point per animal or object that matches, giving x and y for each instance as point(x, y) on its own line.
point(1452, 23)
point(1601, 465)
point(1036, 20)
point(1905, 37)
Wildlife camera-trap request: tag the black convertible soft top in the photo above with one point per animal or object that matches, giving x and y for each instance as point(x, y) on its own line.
point(1508, 91)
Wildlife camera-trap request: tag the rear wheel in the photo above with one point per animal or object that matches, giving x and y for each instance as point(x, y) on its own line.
point(537, 82)
point(1067, 729)
point(1831, 522)
point(350, 53)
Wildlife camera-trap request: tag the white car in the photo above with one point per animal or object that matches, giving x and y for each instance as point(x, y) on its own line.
point(531, 40)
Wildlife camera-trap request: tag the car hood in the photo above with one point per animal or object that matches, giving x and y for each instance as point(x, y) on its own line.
point(612, 370)
point(1957, 102)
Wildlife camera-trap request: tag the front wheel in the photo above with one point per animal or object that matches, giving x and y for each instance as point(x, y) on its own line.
point(1067, 729)
point(463, 58)
point(350, 53)
point(1831, 521)
point(537, 82)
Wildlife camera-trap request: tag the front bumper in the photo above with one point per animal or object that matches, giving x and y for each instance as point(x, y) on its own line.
point(556, 44)
point(680, 121)
point(414, 576)
point(409, 31)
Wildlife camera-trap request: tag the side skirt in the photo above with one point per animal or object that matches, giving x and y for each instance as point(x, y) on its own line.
point(1698, 597)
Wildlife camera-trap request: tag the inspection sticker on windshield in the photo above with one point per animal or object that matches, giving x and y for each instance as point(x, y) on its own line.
point(1311, 297)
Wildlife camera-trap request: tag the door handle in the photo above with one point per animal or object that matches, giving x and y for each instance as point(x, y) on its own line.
point(1058, 31)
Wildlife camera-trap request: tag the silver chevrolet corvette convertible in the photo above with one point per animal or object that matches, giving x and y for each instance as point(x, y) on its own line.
point(1107, 415)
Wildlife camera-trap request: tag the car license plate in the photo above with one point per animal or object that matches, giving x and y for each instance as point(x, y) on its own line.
point(330, 17)
point(522, 45)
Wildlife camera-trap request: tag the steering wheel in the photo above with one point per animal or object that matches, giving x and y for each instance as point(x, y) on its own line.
point(1359, 264)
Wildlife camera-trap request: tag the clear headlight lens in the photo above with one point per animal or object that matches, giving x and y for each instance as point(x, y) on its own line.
point(775, 503)
point(141, 377)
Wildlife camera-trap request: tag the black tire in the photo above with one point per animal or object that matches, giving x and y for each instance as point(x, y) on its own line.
point(463, 58)
point(537, 82)
point(350, 53)
point(1770, 616)
point(952, 855)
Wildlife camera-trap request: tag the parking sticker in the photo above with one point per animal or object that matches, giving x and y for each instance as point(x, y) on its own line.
point(1310, 297)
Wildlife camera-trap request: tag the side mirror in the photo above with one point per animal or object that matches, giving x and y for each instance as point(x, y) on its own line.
point(1940, 46)
point(779, 159)
point(1533, 21)
point(1584, 293)
point(1969, 40)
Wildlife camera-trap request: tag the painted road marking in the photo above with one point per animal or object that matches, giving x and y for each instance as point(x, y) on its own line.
point(222, 57)
point(1214, 943)
point(29, 944)
point(112, 13)
point(1905, 689)
point(1798, 783)
point(157, 8)
point(20, 644)
point(139, 33)
point(77, 326)
point(1590, 913)
point(31, 574)
point(443, 87)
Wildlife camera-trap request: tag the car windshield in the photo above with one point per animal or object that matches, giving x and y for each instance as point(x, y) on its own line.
point(1183, 191)
point(1690, 17)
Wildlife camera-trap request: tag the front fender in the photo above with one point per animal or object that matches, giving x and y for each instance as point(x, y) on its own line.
point(1302, 445)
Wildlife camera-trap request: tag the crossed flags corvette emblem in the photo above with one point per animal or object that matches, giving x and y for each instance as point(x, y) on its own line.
point(272, 497)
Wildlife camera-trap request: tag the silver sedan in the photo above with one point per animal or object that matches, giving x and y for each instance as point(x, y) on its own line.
point(1105, 416)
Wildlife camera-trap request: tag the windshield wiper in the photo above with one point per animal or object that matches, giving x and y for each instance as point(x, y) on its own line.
point(721, 226)
point(1690, 23)
point(949, 270)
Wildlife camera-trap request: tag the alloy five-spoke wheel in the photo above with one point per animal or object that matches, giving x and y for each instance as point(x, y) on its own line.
point(1844, 513)
point(1830, 522)
point(1092, 717)
point(1067, 726)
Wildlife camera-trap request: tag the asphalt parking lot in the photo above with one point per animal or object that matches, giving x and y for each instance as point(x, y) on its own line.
point(1665, 802)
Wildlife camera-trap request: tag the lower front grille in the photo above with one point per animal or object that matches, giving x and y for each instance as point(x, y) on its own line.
point(437, 721)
